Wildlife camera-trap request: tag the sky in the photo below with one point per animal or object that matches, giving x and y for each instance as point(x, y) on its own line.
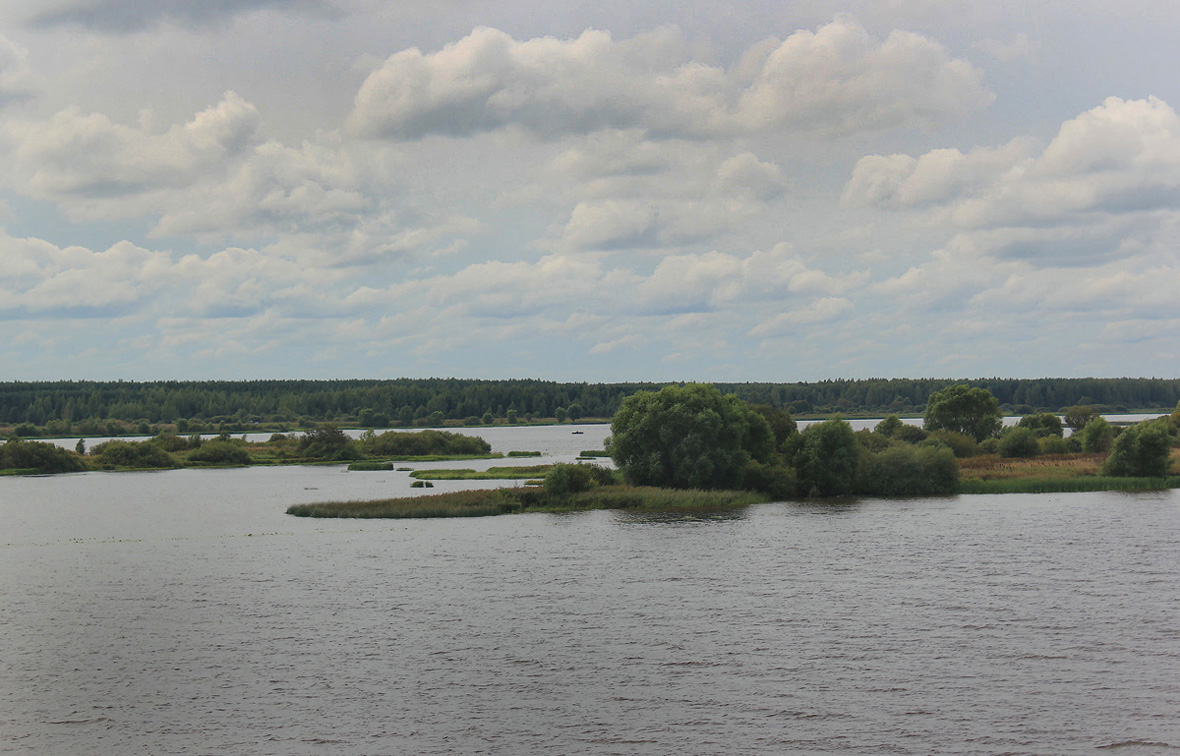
point(654, 190)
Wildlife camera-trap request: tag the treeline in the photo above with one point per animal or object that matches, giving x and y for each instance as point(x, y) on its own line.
point(435, 401)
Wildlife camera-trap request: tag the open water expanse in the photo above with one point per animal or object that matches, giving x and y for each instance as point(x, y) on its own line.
point(184, 613)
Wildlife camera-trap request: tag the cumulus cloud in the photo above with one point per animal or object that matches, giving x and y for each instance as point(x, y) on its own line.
point(1108, 174)
point(121, 16)
point(39, 278)
point(631, 193)
point(837, 79)
point(94, 167)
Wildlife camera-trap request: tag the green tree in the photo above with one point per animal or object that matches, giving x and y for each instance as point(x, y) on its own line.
point(1097, 435)
point(1142, 450)
point(1042, 424)
point(1018, 442)
point(827, 459)
point(688, 437)
point(889, 426)
point(1078, 417)
point(782, 425)
point(960, 408)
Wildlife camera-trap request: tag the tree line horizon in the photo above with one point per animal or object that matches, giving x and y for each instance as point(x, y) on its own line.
point(435, 401)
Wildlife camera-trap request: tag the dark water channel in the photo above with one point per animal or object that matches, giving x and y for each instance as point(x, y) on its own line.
point(183, 612)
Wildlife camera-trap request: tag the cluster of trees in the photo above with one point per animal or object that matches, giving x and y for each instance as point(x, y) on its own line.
point(695, 437)
point(63, 408)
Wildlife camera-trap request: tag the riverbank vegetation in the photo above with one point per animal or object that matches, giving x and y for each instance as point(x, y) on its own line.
point(113, 408)
point(688, 446)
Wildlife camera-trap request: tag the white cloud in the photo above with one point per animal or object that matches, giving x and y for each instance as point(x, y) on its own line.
point(1109, 175)
point(837, 79)
point(95, 168)
point(39, 278)
point(825, 310)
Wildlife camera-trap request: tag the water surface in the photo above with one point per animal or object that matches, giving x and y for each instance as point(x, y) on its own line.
point(183, 612)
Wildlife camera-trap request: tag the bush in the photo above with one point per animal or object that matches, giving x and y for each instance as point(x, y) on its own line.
point(131, 454)
point(827, 459)
point(961, 445)
point(1141, 451)
point(565, 479)
point(889, 426)
point(776, 481)
point(1097, 435)
point(1018, 442)
point(425, 443)
point(329, 443)
point(1053, 445)
point(905, 470)
point(1042, 425)
point(39, 456)
point(873, 440)
point(910, 434)
point(221, 452)
point(170, 442)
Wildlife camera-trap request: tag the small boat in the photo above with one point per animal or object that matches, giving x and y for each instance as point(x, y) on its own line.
point(576, 433)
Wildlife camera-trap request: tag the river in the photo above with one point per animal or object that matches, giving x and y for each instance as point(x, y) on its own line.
point(184, 612)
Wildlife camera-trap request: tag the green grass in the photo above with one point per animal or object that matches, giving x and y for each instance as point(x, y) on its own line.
point(594, 453)
point(371, 466)
point(492, 473)
point(1065, 485)
point(506, 500)
point(524, 454)
point(443, 457)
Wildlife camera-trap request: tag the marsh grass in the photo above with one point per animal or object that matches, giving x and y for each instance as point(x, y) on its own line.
point(492, 473)
point(371, 466)
point(594, 453)
point(1065, 485)
point(506, 500)
point(524, 454)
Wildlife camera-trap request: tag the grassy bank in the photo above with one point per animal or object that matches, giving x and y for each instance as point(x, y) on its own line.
point(1065, 485)
point(507, 500)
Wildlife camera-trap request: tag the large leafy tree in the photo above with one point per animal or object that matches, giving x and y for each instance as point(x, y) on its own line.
point(827, 459)
point(960, 408)
point(1142, 450)
point(688, 437)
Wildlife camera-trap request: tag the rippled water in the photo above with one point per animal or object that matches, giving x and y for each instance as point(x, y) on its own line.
point(183, 612)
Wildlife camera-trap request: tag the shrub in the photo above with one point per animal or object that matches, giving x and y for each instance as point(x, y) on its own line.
point(827, 459)
point(1142, 450)
point(960, 444)
point(426, 443)
point(889, 426)
point(132, 454)
point(329, 443)
point(905, 470)
point(1053, 445)
point(1018, 442)
point(221, 452)
point(565, 479)
point(872, 440)
point(1042, 424)
point(1097, 435)
point(910, 434)
point(39, 456)
point(170, 442)
point(776, 481)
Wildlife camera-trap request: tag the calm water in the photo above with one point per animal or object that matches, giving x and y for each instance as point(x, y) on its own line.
point(183, 612)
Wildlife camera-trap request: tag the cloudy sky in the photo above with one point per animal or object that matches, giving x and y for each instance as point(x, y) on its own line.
point(602, 191)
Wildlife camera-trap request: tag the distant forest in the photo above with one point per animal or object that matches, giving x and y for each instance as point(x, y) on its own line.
point(98, 407)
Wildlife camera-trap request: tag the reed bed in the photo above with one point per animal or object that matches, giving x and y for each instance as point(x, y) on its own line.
point(492, 473)
point(1065, 485)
